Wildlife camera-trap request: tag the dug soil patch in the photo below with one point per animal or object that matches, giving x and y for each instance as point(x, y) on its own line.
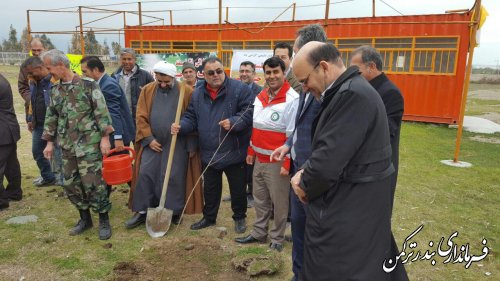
point(185, 258)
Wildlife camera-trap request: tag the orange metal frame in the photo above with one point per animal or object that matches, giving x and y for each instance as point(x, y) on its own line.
point(438, 96)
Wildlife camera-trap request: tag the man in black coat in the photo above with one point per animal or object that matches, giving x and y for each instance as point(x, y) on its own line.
point(346, 182)
point(9, 135)
point(370, 64)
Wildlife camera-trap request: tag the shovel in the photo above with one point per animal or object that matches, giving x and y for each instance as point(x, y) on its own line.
point(158, 219)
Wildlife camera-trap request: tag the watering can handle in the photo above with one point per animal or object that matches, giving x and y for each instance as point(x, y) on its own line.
point(114, 150)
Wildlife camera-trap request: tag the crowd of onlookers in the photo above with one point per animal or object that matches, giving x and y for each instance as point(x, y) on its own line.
point(317, 146)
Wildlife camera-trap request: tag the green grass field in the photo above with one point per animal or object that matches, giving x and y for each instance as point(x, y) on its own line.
point(441, 198)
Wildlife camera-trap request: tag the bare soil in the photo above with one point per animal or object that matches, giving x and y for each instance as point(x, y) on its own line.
point(485, 139)
point(485, 94)
point(187, 258)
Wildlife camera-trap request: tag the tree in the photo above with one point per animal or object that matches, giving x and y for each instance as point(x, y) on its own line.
point(47, 42)
point(116, 48)
point(75, 47)
point(105, 48)
point(92, 46)
point(25, 42)
point(12, 45)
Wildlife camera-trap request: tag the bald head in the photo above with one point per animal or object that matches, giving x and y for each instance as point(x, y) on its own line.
point(316, 66)
point(304, 53)
point(37, 46)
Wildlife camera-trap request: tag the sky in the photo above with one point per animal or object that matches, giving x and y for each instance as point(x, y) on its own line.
point(205, 11)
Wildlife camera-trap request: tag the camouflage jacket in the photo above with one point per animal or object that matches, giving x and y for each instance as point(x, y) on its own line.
point(77, 115)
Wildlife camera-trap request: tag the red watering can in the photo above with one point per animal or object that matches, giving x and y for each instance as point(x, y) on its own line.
point(117, 169)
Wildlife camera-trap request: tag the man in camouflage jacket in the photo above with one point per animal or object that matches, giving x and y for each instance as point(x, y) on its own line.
point(77, 115)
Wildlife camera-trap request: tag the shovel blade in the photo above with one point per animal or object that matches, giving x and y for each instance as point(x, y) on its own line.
point(158, 221)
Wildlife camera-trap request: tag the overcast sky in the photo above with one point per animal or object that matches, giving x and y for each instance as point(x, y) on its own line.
point(487, 54)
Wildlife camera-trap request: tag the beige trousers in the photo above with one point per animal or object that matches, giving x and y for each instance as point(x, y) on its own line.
point(270, 188)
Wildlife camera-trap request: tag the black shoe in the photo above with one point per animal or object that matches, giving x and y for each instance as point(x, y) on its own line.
point(4, 204)
point(44, 182)
point(83, 224)
point(248, 239)
point(135, 221)
point(201, 224)
point(13, 197)
point(176, 219)
point(240, 226)
point(276, 246)
point(104, 226)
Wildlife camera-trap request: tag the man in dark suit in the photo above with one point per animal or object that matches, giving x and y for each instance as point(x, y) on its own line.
point(299, 146)
point(121, 117)
point(369, 61)
point(116, 102)
point(370, 64)
point(346, 182)
point(9, 135)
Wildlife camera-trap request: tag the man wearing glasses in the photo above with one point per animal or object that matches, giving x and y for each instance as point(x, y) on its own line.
point(221, 111)
point(346, 182)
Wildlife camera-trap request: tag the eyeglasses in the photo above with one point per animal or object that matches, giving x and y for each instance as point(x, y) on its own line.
point(304, 82)
point(212, 73)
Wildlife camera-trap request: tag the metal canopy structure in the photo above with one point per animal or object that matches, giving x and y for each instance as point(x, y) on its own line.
point(107, 13)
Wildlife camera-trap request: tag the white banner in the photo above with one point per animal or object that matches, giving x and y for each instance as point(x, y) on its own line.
point(256, 56)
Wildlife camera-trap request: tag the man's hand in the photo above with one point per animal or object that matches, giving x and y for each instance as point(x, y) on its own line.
point(250, 159)
point(279, 153)
point(49, 149)
point(226, 124)
point(30, 126)
point(119, 145)
point(296, 188)
point(175, 128)
point(155, 146)
point(284, 172)
point(105, 145)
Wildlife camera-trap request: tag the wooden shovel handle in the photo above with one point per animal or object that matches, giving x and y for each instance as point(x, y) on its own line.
point(172, 149)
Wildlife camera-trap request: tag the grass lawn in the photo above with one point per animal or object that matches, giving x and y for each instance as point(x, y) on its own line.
point(441, 198)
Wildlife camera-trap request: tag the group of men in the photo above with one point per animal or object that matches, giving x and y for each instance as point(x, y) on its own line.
point(319, 139)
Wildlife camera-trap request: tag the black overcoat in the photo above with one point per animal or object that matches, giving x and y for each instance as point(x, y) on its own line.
point(348, 185)
point(394, 106)
point(9, 127)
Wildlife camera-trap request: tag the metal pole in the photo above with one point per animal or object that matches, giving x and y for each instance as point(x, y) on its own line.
point(82, 41)
point(219, 37)
point(141, 51)
point(171, 21)
point(472, 44)
point(227, 14)
point(29, 26)
point(327, 11)
point(293, 12)
point(373, 8)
